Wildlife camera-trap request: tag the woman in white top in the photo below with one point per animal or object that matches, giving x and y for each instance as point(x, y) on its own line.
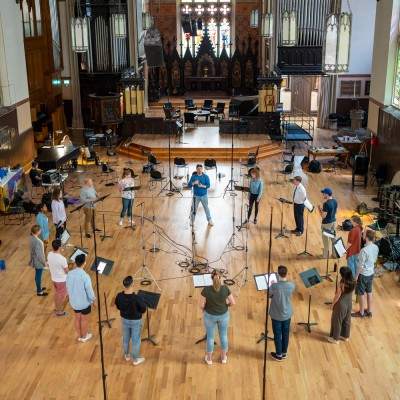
point(58, 211)
point(66, 141)
point(127, 196)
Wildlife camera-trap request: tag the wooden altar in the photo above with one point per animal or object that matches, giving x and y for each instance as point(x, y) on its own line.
point(207, 83)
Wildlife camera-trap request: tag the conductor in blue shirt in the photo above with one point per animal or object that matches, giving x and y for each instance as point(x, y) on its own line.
point(200, 183)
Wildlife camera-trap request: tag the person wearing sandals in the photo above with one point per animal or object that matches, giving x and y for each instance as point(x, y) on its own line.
point(341, 306)
point(38, 259)
point(128, 197)
point(131, 308)
point(213, 303)
point(256, 189)
point(58, 267)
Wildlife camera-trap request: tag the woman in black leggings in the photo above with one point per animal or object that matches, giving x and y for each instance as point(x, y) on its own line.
point(256, 189)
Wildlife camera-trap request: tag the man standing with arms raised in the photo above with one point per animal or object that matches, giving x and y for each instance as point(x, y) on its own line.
point(81, 297)
point(299, 197)
point(281, 312)
point(200, 183)
point(328, 214)
point(89, 197)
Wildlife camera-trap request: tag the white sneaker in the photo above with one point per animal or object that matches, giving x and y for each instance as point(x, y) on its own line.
point(209, 362)
point(46, 268)
point(224, 360)
point(127, 357)
point(138, 361)
point(131, 222)
point(210, 222)
point(120, 223)
point(88, 337)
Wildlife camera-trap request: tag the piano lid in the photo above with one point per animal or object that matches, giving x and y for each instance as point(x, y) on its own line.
point(56, 156)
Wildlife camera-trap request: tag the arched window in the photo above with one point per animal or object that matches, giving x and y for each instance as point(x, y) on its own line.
point(215, 15)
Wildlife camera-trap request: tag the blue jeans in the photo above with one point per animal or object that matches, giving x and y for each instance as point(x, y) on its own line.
point(126, 206)
point(38, 279)
point(131, 329)
point(203, 200)
point(352, 264)
point(281, 335)
point(222, 321)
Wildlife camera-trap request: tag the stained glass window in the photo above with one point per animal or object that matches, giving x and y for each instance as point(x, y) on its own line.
point(396, 91)
point(215, 15)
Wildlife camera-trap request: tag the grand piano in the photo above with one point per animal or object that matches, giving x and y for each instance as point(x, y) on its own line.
point(55, 157)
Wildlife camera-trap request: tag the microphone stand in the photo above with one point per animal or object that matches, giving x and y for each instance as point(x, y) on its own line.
point(79, 208)
point(145, 280)
point(129, 162)
point(230, 186)
point(172, 188)
point(305, 252)
point(154, 249)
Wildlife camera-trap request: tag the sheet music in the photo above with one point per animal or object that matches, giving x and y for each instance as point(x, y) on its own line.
point(262, 280)
point(202, 280)
point(65, 237)
point(308, 205)
point(76, 253)
point(101, 266)
point(339, 247)
point(328, 233)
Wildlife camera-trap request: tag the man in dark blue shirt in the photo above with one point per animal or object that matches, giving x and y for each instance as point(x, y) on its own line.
point(328, 214)
point(200, 183)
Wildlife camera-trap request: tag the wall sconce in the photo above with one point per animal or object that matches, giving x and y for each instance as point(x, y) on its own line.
point(147, 21)
point(267, 25)
point(80, 32)
point(254, 19)
point(289, 28)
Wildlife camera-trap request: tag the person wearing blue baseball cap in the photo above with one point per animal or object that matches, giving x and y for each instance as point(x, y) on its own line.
point(328, 214)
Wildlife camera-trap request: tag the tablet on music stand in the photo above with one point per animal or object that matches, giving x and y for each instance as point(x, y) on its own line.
point(77, 252)
point(310, 277)
point(262, 280)
point(329, 233)
point(202, 280)
point(242, 188)
point(339, 247)
point(151, 299)
point(104, 266)
point(131, 188)
point(65, 237)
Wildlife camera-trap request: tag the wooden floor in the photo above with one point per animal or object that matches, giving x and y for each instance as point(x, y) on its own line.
point(40, 357)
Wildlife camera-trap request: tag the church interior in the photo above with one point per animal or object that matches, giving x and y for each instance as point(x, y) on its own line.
point(294, 88)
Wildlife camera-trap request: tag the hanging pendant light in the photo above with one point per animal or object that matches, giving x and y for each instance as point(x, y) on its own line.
point(289, 28)
point(118, 21)
point(254, 19)
point(147, 20)
point(336, 51)
point(80, 32)
point(267, 25)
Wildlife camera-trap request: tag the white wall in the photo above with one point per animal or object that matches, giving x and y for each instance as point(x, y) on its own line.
point(362, 35)
point(13, 78)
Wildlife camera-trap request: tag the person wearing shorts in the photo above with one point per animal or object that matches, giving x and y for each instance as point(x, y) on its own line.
point(81, 297)
point(58, 267)
point(365, 275)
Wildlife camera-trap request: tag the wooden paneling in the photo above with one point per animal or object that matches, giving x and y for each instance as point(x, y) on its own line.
point(388, 149)
point(20, 149)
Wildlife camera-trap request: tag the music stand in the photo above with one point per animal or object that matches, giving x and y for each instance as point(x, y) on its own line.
point(79, 208)
point(77, 252)
point(104, 236)
point(310, 278)
point(283, 201)
point(131, 189)
point(330, 234)
point(264, 282)
point(243, 189)
point(310, 209)
point(151, 300)
point(127, 144)
point(103, 266)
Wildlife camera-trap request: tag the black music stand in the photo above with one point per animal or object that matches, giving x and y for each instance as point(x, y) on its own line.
point(330, 234)
point(243, 189)
point(310, 278)
point(310, 209)
point(79, 208)
point(131, 189)
point(151, 300)
point(104, 236)
point(283, 201)
point(264, 282)
point(103, 266)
